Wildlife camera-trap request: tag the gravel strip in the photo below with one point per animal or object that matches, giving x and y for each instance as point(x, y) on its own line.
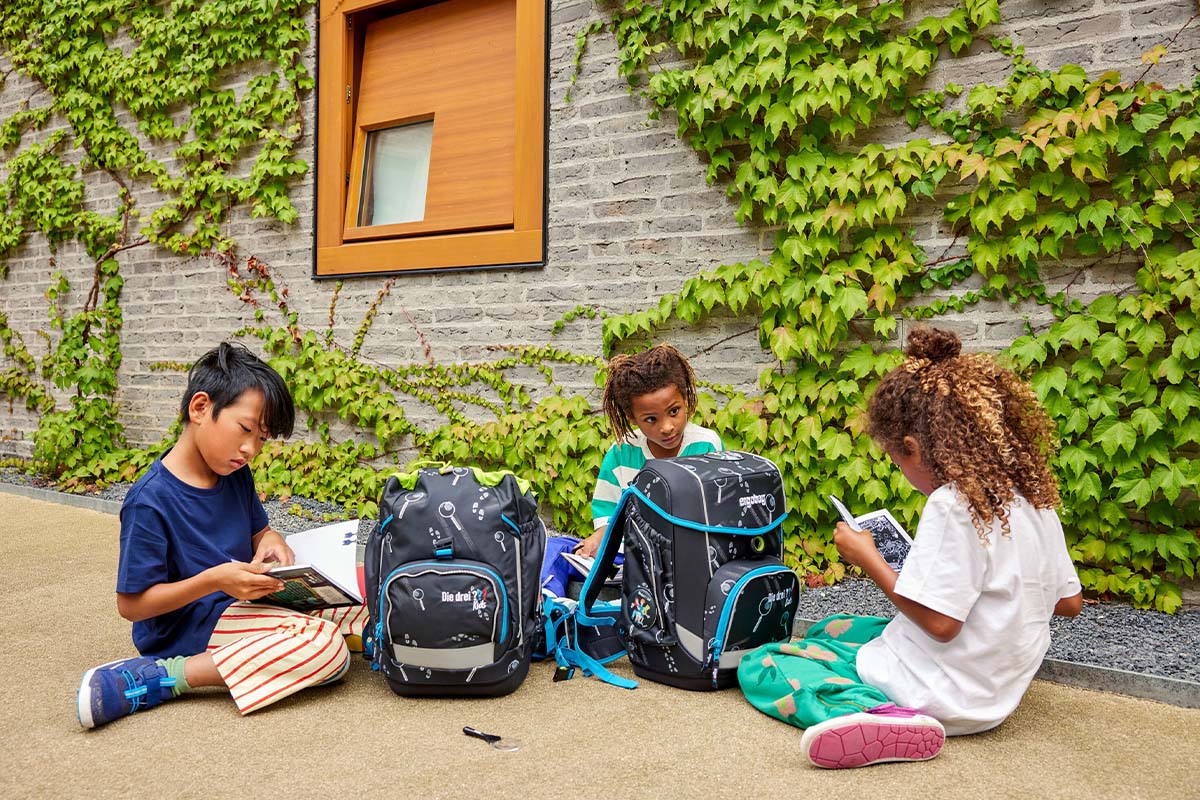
point(1111, 635)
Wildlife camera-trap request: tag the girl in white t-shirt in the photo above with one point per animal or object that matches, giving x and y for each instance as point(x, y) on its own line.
point(988, 568)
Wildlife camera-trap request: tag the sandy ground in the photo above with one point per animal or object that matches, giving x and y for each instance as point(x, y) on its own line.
point(580, 738)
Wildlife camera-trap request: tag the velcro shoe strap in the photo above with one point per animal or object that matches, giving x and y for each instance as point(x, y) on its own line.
point(151, 676)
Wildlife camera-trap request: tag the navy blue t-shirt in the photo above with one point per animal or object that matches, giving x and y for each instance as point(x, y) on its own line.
point(171, 531)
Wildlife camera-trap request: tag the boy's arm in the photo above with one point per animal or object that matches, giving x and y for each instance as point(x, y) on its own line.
point(236, 579)
point(858, 548)
point(604, 503)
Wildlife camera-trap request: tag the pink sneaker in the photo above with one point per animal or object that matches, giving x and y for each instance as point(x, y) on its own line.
point(884, 733)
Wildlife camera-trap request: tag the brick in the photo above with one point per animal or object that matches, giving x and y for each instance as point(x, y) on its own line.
point(1067, 32)
point(562, 13)
point(1025, 10)
point(1055, 57)
point(638, 247)
point(625, 208)
point(1168, 16)
point(682, 224)
point(609, 107)
point(607, 231)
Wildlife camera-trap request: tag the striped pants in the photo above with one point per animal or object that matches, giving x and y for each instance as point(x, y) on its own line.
point(265, 653)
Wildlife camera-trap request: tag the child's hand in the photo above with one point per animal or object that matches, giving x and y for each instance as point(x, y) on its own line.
point(273, 547)
point(855, 547)
point(590, 546)
point(245, 581)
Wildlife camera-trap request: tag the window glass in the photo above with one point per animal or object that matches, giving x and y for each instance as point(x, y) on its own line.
point(396, 174)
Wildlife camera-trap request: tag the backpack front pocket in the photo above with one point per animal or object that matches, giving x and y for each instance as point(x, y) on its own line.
point(449, 614)
point(749, 604)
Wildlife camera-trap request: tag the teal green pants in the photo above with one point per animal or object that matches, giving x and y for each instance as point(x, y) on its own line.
point(810, 680)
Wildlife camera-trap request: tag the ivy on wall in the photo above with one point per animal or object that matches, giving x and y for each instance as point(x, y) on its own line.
point(1049, 170)
point(113, 82)
point(1043, 173)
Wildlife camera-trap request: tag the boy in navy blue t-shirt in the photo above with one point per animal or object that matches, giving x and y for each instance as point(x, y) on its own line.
point(196, 545)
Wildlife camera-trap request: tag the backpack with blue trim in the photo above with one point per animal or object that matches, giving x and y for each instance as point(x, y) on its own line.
point(451, 575)
point(703, 579)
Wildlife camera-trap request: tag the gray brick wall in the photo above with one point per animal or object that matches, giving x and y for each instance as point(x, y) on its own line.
point(630, 219)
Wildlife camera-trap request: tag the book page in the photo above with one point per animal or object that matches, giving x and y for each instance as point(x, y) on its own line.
point(892, 541)
point(584, 564)
point(306, 589)
point(332, 549)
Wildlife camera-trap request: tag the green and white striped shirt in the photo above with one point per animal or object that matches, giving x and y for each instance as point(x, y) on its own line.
point(625, 459)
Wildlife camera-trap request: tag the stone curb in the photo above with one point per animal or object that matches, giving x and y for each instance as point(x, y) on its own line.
point(63, 498)
point(1172, 691)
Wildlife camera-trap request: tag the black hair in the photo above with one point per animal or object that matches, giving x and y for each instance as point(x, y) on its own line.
point(228, 371)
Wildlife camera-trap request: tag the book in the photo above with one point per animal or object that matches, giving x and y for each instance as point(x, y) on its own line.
point(892, 541)
point(584, 565)
point(326, 573)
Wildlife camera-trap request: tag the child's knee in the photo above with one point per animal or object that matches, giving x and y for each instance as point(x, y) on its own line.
point(330, 655)
point(847, 628)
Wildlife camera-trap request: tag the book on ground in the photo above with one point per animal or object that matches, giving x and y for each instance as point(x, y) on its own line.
point(892, 541)
point(584, 565)
point(326, 573)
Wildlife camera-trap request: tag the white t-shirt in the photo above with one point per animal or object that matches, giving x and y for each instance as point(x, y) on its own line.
point(1004, 593)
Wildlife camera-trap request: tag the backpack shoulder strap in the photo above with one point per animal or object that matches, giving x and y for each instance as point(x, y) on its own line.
point(604, 566)
point(571, 657)
point(562, 625)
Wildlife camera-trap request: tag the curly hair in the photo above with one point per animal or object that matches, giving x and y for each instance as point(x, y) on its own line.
point(631, 376)
point(978, 425)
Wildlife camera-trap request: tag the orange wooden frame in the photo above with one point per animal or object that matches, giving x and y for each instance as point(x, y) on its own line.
point(341, 251)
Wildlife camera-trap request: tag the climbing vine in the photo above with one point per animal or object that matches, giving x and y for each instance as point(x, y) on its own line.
point(83, 65)
point(1045, 171)
point(1041, 175)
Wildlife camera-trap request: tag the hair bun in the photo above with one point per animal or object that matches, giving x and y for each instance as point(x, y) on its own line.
point(934, 344)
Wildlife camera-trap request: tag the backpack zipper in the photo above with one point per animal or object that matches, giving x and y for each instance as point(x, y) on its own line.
point(493, 578)
point(714, 655)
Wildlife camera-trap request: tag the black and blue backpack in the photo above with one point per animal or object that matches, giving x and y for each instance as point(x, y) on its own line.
point(703, 581)
point(451, 574)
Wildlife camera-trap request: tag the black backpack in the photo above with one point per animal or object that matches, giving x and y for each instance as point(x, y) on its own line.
point(451, 577)
point(703, 582)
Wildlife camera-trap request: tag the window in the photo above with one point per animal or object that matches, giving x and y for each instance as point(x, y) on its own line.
point(431, 135)
point(395, 175)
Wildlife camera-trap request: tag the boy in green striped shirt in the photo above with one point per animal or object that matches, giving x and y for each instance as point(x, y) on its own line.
point(649, 399)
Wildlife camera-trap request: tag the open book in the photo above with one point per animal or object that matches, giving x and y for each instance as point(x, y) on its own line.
point(892, 541)
point(584, 565)
point(325, 574)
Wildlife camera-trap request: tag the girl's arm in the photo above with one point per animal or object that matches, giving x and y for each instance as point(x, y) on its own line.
point(1069, 606)
point(858, 548)
point(236, 579)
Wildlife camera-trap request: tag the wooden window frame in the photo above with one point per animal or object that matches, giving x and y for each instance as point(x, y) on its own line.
point(523, 245)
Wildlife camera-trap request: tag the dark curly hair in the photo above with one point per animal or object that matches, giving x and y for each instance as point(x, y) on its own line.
point(631, 376)
point(978, 425)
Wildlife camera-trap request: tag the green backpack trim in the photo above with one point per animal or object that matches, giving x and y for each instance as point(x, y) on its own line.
point(409, 479)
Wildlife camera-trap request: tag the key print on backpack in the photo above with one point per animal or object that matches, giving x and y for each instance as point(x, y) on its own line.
point(452, 582)
point(703, 581)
